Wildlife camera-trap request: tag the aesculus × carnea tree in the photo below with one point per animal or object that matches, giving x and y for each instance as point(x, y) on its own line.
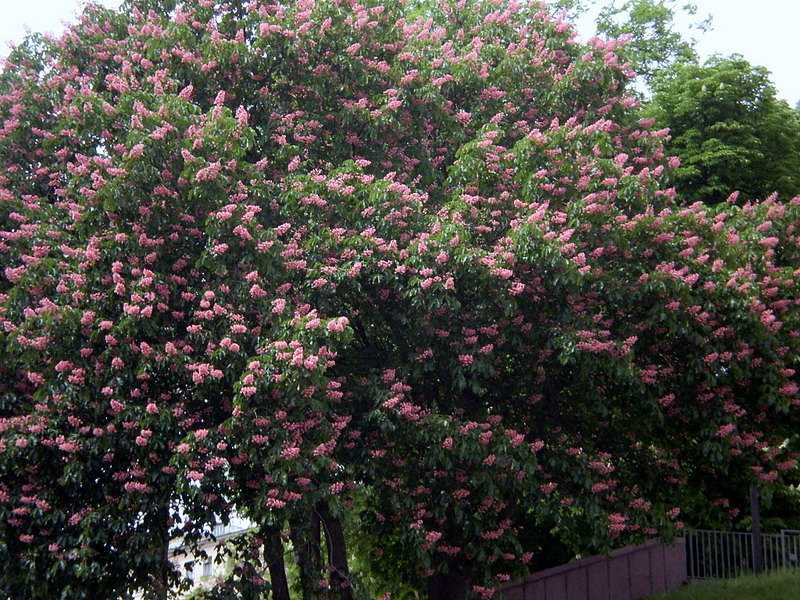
point(396, 269)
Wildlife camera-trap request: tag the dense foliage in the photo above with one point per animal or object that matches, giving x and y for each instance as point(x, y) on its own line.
point(403, 267)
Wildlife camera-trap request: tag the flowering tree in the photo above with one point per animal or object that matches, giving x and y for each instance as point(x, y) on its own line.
point(400, 265)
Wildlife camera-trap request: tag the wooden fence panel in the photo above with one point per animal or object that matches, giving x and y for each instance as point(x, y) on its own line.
point(630, 573)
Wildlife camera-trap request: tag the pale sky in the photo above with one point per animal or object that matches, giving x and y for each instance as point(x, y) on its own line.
point(764, 31)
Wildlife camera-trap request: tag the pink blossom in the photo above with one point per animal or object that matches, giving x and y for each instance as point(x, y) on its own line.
point(278, 305)
point(432, 537)
point(290, 452)
point(726, 430)
point(337, 324)
point(242, 117)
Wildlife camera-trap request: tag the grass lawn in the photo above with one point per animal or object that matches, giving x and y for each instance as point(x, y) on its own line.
point(781, 585)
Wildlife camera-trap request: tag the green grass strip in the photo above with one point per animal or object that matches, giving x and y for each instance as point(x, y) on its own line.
point(778, 585)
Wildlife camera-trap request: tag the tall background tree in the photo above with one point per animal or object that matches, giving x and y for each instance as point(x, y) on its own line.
point(729, 129)
point(654, 40)
point(414, 268)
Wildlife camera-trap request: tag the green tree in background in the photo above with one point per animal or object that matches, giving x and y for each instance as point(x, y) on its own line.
point(729, 130)
point(728, 127)
point(655, 41)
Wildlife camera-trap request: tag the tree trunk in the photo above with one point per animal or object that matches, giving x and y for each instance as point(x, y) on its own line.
point(273, 552)
point(755, 513)
point(160, 584)
point(453, 585)
point(305, 536)
point(337, 553)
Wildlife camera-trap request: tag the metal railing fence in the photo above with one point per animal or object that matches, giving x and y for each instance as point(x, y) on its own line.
point(723, 554)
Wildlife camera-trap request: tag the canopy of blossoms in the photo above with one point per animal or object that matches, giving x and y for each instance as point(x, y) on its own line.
point(400, 281)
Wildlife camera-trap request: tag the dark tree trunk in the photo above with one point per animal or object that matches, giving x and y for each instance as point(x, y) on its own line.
point(273, 552)
point(337, 553)
point(160, 578)
point(454, 585)
point(305, 536)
